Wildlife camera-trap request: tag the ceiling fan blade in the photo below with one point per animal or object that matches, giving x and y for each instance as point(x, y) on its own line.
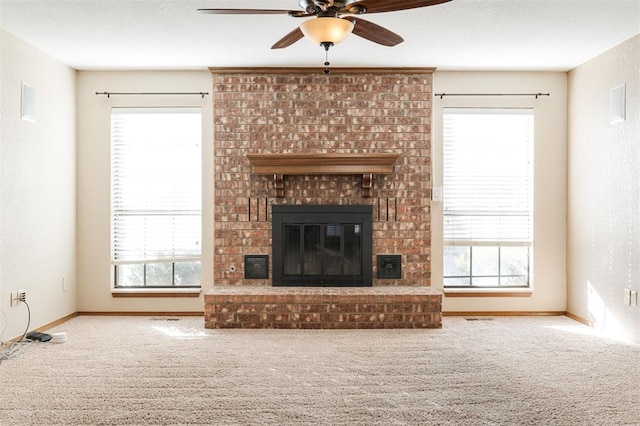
point(374, 32)
point(245, 11)
point(289, 39)
point(379, 6)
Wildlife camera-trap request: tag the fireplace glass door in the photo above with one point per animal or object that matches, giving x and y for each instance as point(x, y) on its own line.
point(326, 249)
point(315, 250)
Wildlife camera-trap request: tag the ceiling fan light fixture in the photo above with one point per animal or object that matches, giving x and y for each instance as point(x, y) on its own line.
point(326, 29)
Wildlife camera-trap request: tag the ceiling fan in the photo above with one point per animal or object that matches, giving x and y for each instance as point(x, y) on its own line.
point(334, 20)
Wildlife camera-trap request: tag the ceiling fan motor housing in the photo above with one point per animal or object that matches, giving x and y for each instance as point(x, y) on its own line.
point(317, 7)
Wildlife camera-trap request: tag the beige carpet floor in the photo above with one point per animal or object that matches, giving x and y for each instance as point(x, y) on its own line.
point(171, 371)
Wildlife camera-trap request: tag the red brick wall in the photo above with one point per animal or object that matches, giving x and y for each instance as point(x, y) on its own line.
point(263, 111)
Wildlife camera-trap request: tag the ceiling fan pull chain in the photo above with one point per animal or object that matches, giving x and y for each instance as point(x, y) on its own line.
point(326, 46)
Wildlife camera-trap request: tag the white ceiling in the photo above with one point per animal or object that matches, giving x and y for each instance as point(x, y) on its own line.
point(552, 35)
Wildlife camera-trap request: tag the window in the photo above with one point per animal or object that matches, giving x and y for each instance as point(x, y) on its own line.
point(487, 181)
point(156, 197)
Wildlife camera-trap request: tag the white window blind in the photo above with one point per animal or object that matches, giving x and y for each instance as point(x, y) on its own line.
point(156, 184)
point(487, 178)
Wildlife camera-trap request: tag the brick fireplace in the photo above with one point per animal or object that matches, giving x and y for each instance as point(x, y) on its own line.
point(350, 112)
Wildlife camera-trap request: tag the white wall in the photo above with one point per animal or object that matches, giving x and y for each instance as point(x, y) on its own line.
point(604, 192)
point(37, 188)
point(93, 205)
point(550, 157)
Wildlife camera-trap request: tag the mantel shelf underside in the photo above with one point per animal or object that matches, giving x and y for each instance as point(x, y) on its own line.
point(365, 164)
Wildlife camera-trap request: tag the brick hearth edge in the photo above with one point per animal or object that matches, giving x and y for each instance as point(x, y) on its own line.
point(323, 307)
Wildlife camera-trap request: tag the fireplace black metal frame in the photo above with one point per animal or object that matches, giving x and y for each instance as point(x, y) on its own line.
point(322, 214)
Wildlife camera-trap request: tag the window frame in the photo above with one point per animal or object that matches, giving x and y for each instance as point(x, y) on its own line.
point(169, 288)
point(475, 243)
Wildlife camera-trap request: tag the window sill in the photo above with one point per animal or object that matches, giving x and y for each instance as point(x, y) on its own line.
point(156, 292)
point(488, 292)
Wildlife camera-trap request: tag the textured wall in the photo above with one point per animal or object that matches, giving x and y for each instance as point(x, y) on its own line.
point(37, 188)
point(95, 274)
point(549, 180)
point(604, 192)
point(263, 112)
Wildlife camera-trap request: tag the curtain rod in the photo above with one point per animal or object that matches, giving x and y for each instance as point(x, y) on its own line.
point(108, 94)
point(491, 94)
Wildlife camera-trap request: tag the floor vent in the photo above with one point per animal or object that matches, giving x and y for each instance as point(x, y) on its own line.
point(478, 318)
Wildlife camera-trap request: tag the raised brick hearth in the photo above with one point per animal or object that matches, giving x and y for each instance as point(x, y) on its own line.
point(323, 307)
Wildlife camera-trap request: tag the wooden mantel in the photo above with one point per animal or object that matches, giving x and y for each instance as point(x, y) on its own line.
point(366, 164)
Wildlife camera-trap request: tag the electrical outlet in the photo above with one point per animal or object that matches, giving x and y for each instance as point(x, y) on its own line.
point(627, 297)
point(634, 298)
point(64, 283)
point(17, 297)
